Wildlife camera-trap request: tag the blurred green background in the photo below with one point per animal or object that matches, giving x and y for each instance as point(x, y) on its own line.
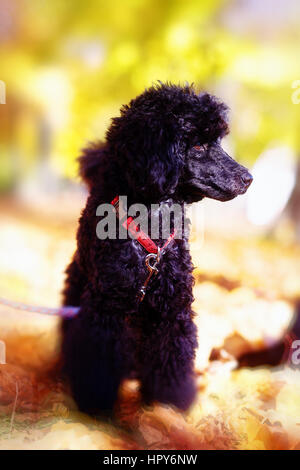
point(69, 65)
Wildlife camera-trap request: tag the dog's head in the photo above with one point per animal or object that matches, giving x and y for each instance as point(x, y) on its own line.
point(168, 143)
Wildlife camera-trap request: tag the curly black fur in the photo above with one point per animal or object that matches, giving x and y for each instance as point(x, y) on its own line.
point(165, 145)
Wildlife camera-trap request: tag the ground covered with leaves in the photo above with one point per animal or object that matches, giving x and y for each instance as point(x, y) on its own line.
point(245, 295)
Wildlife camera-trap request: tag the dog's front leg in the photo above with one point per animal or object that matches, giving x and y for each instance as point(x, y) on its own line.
point(167, 359)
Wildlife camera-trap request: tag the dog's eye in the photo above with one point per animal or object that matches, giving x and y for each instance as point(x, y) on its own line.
point(200, 147)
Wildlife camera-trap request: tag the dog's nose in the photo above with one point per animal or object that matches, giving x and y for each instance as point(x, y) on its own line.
point(247, 178)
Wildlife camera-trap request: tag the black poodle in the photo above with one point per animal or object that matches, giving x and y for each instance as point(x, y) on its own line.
point(164, 146)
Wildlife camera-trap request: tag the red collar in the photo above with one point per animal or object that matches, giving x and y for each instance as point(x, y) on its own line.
point(141, 236)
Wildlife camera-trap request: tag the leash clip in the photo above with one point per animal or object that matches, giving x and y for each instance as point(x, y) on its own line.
point(151, 262)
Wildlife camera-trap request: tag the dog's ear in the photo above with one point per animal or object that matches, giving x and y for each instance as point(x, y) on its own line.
point(147, 150)
point(91, 162)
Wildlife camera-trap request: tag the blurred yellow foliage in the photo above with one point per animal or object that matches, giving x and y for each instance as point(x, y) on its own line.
point(72, 65)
